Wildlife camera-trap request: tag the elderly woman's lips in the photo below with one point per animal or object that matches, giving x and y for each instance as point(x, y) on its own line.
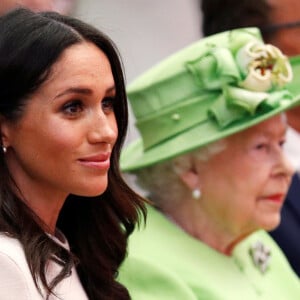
point(275, 198)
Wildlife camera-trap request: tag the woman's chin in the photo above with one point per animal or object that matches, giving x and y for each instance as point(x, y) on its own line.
point(271, 223)
point(91, 191)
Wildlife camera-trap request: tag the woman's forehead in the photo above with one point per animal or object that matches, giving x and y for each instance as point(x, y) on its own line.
point(274, 126)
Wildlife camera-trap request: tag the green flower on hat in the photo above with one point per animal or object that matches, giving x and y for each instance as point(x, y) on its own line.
point(246, 78)
point(264, 67)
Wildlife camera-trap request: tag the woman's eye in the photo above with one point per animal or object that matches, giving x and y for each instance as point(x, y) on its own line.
point(108, 104)
point(261, 146)
point(73, 108)
point(281, 143)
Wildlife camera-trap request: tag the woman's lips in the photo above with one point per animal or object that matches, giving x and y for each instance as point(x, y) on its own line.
point(278, 198)
point(100, 161)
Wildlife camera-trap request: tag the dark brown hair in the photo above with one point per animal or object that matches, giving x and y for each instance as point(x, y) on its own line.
point(222, 15)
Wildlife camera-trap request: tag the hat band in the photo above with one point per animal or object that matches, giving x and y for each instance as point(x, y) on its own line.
point(174, 120)
point(232, 105)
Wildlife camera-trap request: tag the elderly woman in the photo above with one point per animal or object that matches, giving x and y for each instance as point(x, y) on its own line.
point(212, 163)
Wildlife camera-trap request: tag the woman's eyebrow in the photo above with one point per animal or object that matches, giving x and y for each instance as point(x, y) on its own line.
point(111, 90)
point(83, 91)
point(74, 90)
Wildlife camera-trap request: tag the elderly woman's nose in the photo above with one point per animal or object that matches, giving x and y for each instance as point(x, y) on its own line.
point(283, 165)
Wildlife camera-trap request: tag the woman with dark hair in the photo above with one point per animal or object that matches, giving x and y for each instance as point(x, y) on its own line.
point(65, 211)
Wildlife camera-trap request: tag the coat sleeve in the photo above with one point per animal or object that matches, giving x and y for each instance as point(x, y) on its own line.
point(13, 283)
point(148, 281)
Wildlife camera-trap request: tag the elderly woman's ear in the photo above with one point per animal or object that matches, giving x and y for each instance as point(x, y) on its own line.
point(187, 171)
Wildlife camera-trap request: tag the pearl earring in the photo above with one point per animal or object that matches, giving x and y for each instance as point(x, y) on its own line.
point(196, 193)
point(4, 149)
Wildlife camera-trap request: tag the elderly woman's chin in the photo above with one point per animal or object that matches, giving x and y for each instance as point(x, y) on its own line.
point(270, 221)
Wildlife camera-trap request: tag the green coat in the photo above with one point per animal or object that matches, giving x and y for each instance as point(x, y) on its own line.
point(166, 263)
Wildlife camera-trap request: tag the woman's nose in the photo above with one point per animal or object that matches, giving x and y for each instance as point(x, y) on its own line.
point(284, 165)
point(103, 129)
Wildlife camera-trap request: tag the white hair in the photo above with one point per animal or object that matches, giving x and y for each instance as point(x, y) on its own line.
point(161, 182)
point(183, 163)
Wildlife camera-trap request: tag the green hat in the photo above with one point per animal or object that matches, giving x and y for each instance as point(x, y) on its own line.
point(294, 85)
point(215, 87)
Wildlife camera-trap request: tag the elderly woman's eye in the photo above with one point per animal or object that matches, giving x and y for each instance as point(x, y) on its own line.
point(261, 146)
point(282, 142)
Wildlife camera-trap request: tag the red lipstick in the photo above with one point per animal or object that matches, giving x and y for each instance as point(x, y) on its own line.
point(276, 197)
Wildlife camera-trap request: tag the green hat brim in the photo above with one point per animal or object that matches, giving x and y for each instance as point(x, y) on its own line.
point(133, 157)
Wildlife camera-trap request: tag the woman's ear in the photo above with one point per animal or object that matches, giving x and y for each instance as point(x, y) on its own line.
point(187, 172)
point(190, 178)
point(4, 132)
